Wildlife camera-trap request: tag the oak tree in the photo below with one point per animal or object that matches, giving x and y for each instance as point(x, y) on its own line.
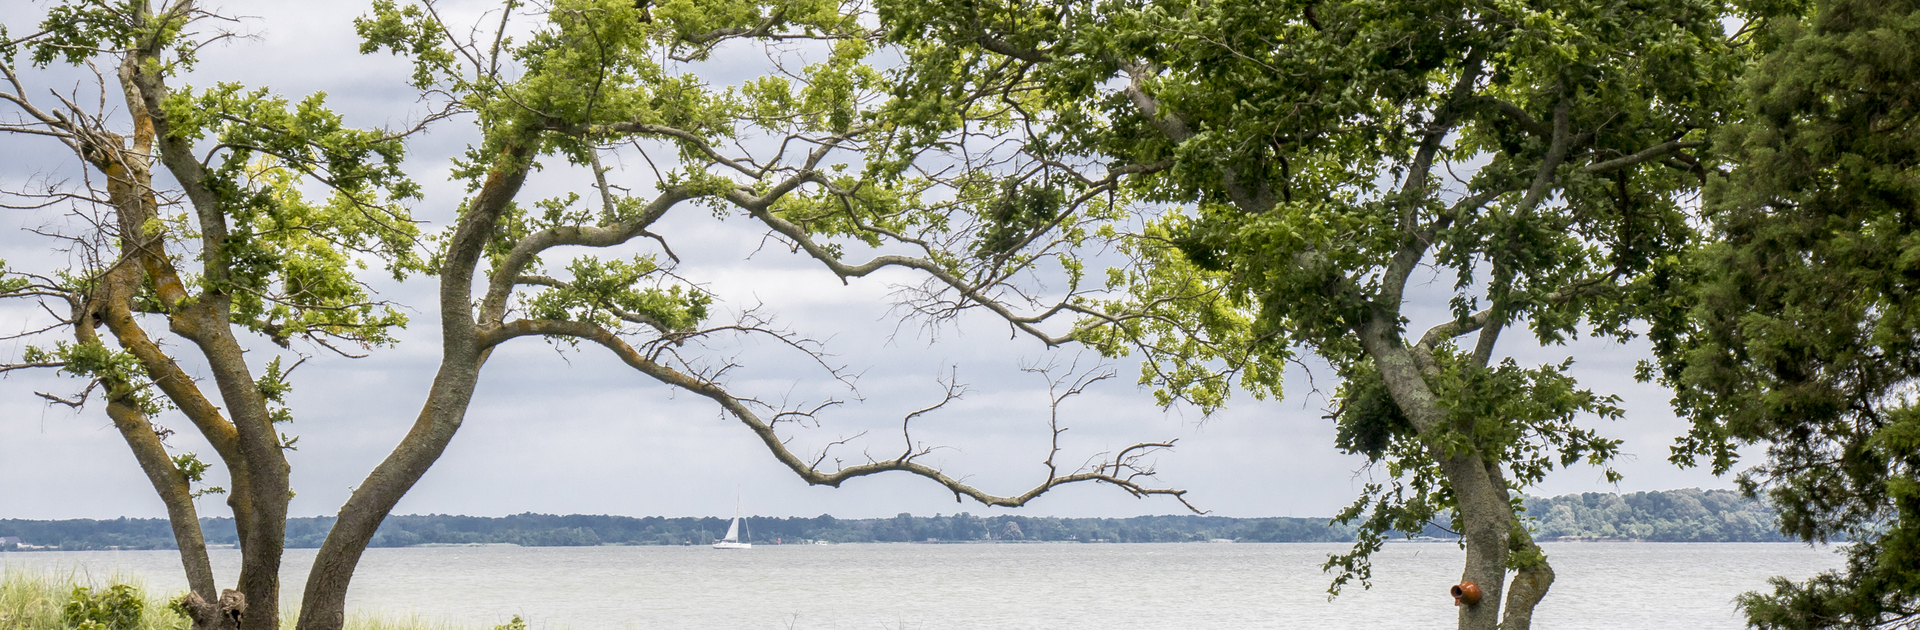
point(1303, 163)
point(232, 217)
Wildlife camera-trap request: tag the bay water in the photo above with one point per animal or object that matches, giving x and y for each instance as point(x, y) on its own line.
point(981, 586)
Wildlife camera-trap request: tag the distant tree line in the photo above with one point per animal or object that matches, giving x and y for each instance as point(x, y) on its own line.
point(1689, 515)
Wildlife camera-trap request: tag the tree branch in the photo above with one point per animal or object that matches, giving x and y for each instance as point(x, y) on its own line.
point(1650, 153)
point(1124, 470)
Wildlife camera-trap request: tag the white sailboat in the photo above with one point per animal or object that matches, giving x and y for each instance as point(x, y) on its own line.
point(732, 541)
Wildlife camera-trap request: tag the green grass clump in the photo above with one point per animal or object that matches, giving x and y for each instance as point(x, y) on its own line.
point(44, 602)
point(34, 601)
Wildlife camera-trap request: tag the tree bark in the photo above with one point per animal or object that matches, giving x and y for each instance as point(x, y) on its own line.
point(1530, 584)
point(1480, 494)
point(174, 489)
point(264, 538)
point(261, 502)
point(1534, 575)
point(323, 606)
point(128, 169)
point(226, 613)
point(1484, 519)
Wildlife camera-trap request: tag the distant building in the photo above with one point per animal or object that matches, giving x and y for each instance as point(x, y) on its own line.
point(9, 541)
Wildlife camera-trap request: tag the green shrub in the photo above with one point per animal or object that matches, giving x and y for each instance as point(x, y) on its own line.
point(118, 607)
point(44, 601)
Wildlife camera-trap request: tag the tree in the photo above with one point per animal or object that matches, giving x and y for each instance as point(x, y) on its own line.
point(229, 216)
point(1802, 327)
point(1304, 160)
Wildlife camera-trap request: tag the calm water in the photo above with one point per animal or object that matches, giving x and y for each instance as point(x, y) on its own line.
point(1050, 586)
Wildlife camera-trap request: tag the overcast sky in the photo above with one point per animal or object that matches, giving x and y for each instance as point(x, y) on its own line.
point(573, 431)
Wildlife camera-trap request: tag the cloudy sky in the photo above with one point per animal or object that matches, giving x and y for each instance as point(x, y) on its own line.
point(559, 430)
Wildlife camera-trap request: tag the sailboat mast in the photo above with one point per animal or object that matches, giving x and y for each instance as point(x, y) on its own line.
point(733, 538)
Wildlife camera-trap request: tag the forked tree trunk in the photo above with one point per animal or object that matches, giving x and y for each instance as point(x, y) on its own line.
point(263, 541)
point(227, 613)
point(249, 445)
point(1480, 493)
point(129, 190)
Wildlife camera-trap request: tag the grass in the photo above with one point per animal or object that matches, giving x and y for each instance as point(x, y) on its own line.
point(36, 601)
point(31, 601)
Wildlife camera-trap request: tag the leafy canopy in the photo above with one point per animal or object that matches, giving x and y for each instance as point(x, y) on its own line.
point(1801, 332)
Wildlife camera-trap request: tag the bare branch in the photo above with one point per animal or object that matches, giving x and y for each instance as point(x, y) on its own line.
point(1125, 470)
point(9, 367)
point(1654, 152)
point(79, 400)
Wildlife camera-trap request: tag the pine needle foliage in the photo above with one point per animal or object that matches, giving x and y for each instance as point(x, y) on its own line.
point(1802, 330)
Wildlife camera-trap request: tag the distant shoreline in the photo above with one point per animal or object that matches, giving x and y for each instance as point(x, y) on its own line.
point(1397, 541)
point(1689, 515)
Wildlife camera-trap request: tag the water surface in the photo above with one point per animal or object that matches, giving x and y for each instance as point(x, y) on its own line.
point(1010, 586)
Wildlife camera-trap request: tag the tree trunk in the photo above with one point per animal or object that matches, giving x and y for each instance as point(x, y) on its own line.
point(173, 487)
point(1530, 584)
point(130, 192)
point(323, 606)
point(261, 501)
point(174, 490)
point(264, 538)
point(1535, 575)
point(226, 613)
point(1480, 491)
point(1484, 519)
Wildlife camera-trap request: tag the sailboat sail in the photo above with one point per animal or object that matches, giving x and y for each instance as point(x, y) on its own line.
point(732, 541)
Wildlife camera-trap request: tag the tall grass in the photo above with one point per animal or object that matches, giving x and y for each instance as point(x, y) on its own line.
point(36, 601)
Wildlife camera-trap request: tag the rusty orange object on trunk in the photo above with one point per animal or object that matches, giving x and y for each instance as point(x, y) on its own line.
point(1466, 593)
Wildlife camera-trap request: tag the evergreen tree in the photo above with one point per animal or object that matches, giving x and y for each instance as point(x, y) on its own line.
point(1804, 332)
